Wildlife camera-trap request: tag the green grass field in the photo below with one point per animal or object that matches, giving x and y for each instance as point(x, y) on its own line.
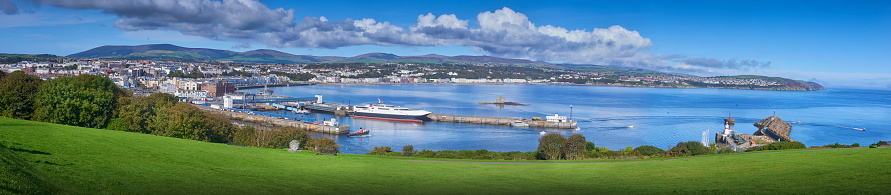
point(41, 157)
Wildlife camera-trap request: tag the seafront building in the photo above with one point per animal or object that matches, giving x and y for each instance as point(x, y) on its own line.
point(219, 79)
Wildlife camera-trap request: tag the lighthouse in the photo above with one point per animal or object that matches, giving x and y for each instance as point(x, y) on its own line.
point(726, 129)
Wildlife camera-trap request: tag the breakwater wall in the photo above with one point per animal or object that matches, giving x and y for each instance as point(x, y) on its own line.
point(500, 121)
point(272, 85)
point(260, 119)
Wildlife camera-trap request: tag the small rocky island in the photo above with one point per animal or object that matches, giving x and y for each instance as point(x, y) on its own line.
point(500, 102)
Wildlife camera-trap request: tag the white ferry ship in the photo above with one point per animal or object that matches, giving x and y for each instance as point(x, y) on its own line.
point(383, 111)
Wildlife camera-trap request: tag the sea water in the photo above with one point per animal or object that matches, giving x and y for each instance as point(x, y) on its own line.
point(660, 117)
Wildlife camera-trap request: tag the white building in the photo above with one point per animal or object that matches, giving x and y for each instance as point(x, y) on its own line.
point(556, 118)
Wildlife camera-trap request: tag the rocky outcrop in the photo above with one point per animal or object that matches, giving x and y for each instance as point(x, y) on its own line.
point(775, 128)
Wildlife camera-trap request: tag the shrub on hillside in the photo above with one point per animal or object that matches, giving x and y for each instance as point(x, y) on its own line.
point(188, 122)
point(383, 150)
point(139, 112)
point(408, 150)
point(277, 138)
point(85, 100)
point(550, 146)
point(691, 148)
point(589, 146)
point(117, 124)
point(836, 145)
point(575, 147)
point(778, 146)
point(326, 145)
point(649, 150)
point(17, 91)
point(725, 150)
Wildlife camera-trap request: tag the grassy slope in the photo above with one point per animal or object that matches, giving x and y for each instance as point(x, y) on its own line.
point(82, 160)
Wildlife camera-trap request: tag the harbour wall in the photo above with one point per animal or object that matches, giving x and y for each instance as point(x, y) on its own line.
point(500, 121)
point(260, 119)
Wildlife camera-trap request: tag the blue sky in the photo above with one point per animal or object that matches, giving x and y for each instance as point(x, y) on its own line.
point(836, 43)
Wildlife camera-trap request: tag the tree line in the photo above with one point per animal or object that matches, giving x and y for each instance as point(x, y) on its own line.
point(554, 146)
point(96, 102)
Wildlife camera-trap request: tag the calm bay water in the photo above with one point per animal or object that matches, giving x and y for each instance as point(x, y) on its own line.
point(661, 117)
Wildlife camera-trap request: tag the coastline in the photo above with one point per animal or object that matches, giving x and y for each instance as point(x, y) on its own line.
point(569, 84)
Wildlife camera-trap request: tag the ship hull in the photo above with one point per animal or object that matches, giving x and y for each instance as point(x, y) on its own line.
point(392, 117)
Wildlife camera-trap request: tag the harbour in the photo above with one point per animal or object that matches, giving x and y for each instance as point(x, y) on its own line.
point(244, 115)
point(660, 117)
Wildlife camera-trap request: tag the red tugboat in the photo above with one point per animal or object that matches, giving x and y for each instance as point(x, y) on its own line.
point(361, 132)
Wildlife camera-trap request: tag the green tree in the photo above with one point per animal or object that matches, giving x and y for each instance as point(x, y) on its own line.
point(188, 122)
point(117, 124)
point(408, 150)
point(383, 150)
point(691, 148)
point(575, 147)
point(550, 146)
point(17, 95)
point(326, 145)
point(247, 135)
point(85, 101)
point(590, 146)
point(649, 150)
point(138, 113)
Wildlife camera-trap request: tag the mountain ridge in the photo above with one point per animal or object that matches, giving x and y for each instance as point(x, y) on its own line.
point(170, 51)
point(269, 56)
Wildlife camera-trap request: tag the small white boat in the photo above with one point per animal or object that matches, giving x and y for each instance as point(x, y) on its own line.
point(543, 133)
point(519, 124)
point(630, 126)
point(302, 111)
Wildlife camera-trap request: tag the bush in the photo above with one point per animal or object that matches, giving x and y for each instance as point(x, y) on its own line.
point(248, 136)
point(408, 150)
point(326, 145)
point(383, 150)
point(575, 147)
point(117, 124)
point(778, 146)
point(691, 148)
point(84, 101)
point(649, 150)
point(726, 150)
point(836, 145)
point(550, 146)
point(280, 138)
point(188, 122)
point(139, 112)
point(17, 92)
point(589, 146)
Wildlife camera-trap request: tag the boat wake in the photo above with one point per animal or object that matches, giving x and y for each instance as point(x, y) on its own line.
point(843, 127)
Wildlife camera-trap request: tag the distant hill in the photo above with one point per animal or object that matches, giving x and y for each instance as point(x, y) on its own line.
point(168, 52)
point(786, 84)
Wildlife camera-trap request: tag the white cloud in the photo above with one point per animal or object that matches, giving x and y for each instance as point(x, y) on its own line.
point(502, 33)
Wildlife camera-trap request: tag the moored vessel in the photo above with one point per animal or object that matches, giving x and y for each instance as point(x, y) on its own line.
point(381, 111)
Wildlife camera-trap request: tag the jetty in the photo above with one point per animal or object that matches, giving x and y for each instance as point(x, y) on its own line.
point(277, 121)
point(556, 123)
